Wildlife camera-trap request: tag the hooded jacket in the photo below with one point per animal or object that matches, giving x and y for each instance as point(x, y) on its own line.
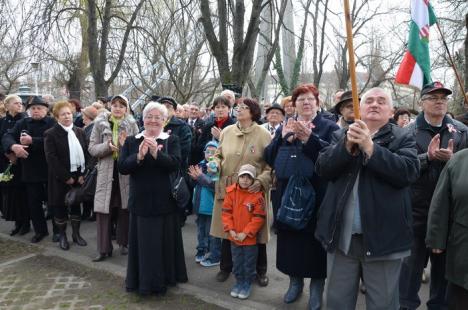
point(243, 212)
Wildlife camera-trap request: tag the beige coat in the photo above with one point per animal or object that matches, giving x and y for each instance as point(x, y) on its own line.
point(99, 148)
point(237, 148)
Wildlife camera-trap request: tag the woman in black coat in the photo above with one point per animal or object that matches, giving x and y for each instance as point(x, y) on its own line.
point(65, 150)
point(156, 253)
point(14, 204)
point(299, 254)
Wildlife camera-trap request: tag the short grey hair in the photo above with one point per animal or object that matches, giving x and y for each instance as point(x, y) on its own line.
point(152, 105)
point(228, 92)
point(386, 94)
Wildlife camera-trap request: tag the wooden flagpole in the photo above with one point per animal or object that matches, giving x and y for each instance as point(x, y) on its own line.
point(460, 82)
point(352, 64)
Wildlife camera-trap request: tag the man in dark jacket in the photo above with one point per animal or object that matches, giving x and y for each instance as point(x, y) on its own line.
point(181, 129)
point(26, 140)
point(364, 220)
point(437, 138)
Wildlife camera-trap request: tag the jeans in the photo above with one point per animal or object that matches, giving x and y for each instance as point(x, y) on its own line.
point(207, 243)
point(244, 262)
point(411, 274)
point(226, 257)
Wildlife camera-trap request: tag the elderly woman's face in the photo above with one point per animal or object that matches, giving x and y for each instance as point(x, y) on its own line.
point(243, 112)
point(118, 109)
point(65, 116)
point(154, 120)
point(306, 105)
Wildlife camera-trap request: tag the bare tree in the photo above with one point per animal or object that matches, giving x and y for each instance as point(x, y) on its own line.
point(230, 17)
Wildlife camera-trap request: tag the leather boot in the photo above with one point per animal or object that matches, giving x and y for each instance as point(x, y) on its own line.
point(296, 285)
point(75, 223)
point(316, 293)
point(63, 241)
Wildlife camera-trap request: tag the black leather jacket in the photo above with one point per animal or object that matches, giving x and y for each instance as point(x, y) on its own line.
point(384, 195)
point(423, 188)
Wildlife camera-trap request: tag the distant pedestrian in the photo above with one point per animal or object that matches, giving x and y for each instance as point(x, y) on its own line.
point(240, 144)
point(447, 228)
point(203, 200)
point(437, 137)
point(26, 141)
point(156, 253)
point(298, 254)
point(243, 216)
point(14, 203)
point(363, 221)
point(66, 154)
point(112, 188)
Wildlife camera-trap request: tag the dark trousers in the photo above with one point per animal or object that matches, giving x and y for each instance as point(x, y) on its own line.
point(36, 195)
point(61, 212)
point(244, 258)
point(411, 275)
point(226, 257)
point(104, 229)
point(457, 297)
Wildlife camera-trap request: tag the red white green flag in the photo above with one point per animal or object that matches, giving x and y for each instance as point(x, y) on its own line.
point(415, 69)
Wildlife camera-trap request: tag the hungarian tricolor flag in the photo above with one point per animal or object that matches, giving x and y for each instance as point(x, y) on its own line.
point(415, 69)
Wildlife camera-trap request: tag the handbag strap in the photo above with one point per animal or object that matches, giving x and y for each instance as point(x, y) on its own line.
point(295, 146)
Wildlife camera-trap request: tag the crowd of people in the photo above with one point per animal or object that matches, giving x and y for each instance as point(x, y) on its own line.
point(385, 193)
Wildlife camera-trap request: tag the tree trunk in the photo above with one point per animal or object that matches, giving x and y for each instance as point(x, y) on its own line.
point(288, 41)
point(466, 54)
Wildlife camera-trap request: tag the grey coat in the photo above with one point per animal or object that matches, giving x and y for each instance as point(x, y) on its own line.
point(99, 148)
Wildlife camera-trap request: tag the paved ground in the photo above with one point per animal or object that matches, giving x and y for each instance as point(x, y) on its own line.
point(202, 283)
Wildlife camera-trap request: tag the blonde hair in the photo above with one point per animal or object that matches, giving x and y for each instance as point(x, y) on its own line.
point(59, 105)
point(11, 98)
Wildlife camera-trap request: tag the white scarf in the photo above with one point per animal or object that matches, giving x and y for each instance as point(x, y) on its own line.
point(77, 159)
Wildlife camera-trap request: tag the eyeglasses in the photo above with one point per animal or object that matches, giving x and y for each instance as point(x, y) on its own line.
point(310, 99)
point(153, 118)
point(243, 107)
point(436, 98)
point(210, 152)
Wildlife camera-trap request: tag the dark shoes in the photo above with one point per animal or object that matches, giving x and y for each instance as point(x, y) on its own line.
point(24, 230)
point(296, 286)
point(102, 256)
point(55, 237)
point(21, 230)
point(75, 223)
point(38, 237)
point(262, 280)
point(63, 242)
point(222, 276)
point(15, 231)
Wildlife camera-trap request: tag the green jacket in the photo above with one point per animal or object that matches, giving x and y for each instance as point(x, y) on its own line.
point(447, 226)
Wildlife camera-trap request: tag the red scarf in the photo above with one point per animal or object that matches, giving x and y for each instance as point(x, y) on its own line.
point(220, 122)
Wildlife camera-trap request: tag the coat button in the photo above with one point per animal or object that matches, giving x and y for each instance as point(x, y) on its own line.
point(368, 253)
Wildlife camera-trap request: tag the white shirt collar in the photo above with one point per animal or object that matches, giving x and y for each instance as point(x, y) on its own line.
point(162, 135)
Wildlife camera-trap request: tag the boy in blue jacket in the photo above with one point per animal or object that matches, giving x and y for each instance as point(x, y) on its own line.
point(203, 201)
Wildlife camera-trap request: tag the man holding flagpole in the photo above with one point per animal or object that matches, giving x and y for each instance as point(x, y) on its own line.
point(364, 219)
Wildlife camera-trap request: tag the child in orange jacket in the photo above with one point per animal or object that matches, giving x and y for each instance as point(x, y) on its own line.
point(243, 216)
